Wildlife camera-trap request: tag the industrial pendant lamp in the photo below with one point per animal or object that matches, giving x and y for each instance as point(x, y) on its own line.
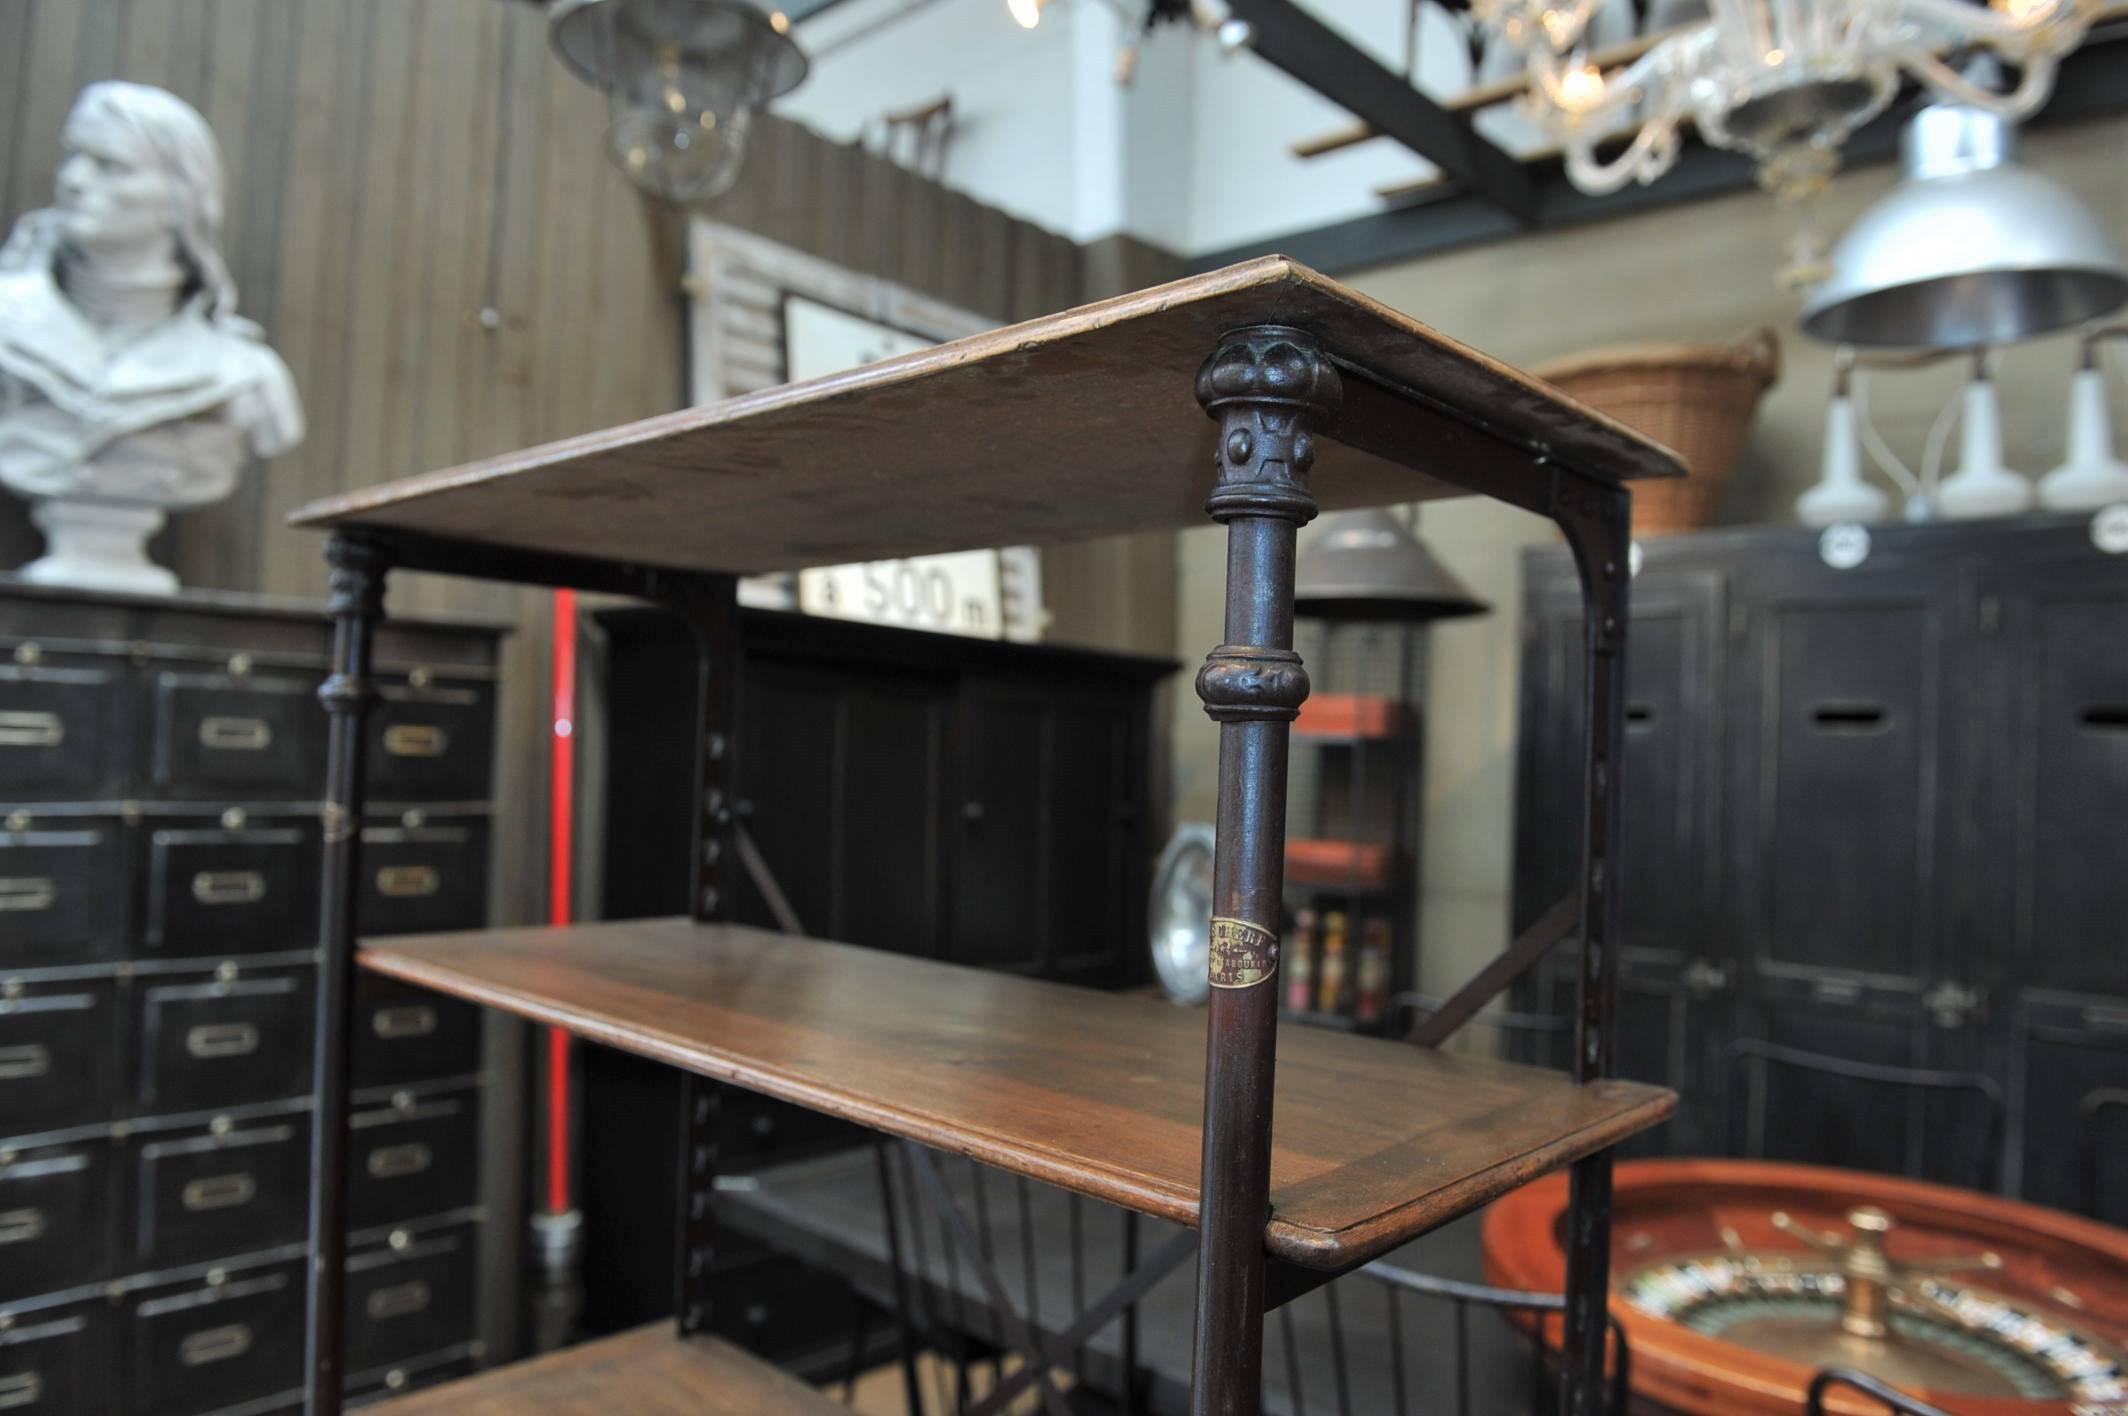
point(682, 78)
point(1368, 565)
point(1969, 250)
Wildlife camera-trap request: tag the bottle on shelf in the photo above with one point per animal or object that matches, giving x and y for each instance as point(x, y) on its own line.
point(1330, 970)
point(1300, 962)
point(1371, 984)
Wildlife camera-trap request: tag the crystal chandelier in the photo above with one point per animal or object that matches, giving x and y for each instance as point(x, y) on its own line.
point(1785, 81)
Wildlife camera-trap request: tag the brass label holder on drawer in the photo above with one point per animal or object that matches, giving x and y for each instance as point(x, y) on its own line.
point(402, 882)
point(25, 728)
point(218, 1192)
point(222, 1040)
point(416, 740)
point(24, 1061)
point(229, 734)
point(28, 893)
point(412, 1020)
point(215, 1345)
point(20, 1226)
point(228, 887)
point(398, 1162)
point(401, 1300)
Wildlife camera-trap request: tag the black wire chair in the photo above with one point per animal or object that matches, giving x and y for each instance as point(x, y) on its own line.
point(1895, 1401)
point(1920, 1082)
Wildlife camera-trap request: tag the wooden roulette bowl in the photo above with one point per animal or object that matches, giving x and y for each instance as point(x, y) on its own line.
point(1736, 1281)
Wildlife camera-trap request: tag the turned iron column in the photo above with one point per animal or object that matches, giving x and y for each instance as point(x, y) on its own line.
point(1271, 390)
point(356, 606)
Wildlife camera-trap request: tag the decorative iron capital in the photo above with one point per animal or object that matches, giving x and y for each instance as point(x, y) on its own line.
point(1272, 390)
point(1243, 684)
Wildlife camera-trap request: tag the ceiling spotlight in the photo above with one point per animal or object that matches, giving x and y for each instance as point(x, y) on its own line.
point(683, 80)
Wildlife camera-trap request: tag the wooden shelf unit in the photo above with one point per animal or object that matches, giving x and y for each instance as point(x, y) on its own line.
point(1074, 425)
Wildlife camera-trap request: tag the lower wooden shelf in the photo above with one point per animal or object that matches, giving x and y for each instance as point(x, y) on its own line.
point(651, 1371)
point(1373, 1144)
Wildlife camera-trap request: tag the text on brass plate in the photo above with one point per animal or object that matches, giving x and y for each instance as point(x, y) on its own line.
point(24, 1060)
point(216, 1192)
point(394, 1162)
point(408, 881)
point(413, 1020)
point(398, 1301)
point(228, 887)
point(225, 734)
point(19, 1226)
point(222, 1040)
point(214, 1345)
point(1243, 954)
point(23, 728)
point(28, 893)
point(415, 740)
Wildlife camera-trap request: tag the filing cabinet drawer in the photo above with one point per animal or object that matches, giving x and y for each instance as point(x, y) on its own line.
point(201, 1347)
point(56, 1361)
point(431, 740)
point(221, 1039)
point(61, 727)
point(220, 734)
point(408, 1034)
point(779, 1307)
point(57, 1206)
point(416, 1374)
point(58, 1053)
point(410, 1296)
point(221, 1188)
point(412, 1156)
point(237, 885)
point(62, 895)
point(424, 877)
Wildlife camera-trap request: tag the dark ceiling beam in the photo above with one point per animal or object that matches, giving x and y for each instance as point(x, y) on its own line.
point(2092, 83)
point(1290, 39)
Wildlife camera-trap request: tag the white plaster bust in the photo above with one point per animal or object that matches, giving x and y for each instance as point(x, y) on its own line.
point(127, 383)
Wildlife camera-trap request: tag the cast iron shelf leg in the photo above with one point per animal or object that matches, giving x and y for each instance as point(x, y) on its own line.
point(356, 607)
point(1271, 390)
point(1596, 520)
point(710, 606)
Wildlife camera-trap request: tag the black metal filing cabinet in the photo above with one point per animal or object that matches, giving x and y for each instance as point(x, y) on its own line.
point(1877, 910)
point(160, 766)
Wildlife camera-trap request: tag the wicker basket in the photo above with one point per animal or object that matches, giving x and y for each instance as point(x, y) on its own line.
point(1695, 399)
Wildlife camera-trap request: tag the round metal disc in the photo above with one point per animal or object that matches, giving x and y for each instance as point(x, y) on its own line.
point(1180, 926)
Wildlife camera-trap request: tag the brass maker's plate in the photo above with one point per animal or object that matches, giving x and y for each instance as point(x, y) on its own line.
point(1243, 954)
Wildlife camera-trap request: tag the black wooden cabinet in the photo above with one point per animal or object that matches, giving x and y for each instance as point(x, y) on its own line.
point(960, 799)
point(1877, 877)
point(161, 760)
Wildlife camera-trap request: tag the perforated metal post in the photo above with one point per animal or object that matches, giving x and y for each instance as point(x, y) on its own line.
point(1271, 391)
point(1597, 522)
point(712, 610)
point(357, 607)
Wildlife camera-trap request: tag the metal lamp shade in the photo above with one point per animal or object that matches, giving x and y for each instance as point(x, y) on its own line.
point(1368, 565)
point(683, 79)
point(1969, 250)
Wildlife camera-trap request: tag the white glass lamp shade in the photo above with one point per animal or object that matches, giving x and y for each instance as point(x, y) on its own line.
point(1840, 493)
point(1970, 249)
point(1982, 485)
point(683, 79)
point(2092, 476)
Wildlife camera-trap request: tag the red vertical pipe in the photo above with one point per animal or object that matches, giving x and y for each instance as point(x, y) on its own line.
point(561, 856)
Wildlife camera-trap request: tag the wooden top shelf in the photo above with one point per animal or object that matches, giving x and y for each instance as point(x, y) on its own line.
point(650, 1371)
point(1075, 425)
point(1101, 1093)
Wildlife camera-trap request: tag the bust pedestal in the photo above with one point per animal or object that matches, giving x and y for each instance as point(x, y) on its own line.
point(98, 545)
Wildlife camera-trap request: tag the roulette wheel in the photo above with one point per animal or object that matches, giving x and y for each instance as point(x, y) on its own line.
point(1736, 1281)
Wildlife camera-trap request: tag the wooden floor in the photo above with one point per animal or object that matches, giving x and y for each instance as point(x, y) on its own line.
point(1099, 1093)
point(651, 1371)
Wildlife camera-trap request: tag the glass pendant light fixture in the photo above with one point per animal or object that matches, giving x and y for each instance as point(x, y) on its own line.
point(1368, 565)
point(1785, 81)
point(683, 80)
point(1970, 249)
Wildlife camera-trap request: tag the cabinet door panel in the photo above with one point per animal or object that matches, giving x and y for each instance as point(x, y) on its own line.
point(2072, 1071)
point(1089, 835)
point(891, 807)
point(1001, 879)
point(792, 746)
